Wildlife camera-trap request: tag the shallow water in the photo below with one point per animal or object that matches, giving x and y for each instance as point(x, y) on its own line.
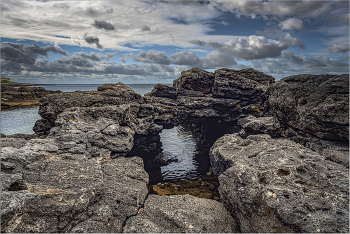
point(19, 120)
point(179, 146)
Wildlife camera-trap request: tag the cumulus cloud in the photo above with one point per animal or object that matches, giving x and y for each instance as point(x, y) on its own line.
point(93, 40)
point(145, 28)
point(338, 48)
point(184, 58)
point(255, 47)
point(103, 24)
point(152, 56)
point(291, 24)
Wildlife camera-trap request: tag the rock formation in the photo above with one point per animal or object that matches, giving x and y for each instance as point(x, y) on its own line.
point(277, 185)
point(283, 167)
point(22, 96)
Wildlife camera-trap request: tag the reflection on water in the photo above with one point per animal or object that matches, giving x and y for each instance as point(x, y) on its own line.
point(179, 146)
point(20, 120)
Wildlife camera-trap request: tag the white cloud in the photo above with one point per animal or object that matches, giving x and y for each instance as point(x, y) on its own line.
point(291, 24)
point(225, 23)
point(44, 21)
point(255, 47)
point(279, 8)
point(338, 48)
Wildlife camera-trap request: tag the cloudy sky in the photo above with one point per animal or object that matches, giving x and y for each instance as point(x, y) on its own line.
point(136, 41)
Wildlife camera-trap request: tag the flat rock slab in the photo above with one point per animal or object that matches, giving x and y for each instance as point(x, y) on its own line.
point(181, 213)
point(277, 185)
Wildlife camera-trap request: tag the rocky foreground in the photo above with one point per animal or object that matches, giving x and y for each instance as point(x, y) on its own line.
point(285, 168)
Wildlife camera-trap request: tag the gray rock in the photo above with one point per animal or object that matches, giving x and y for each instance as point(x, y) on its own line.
point(316, 104)
point(241, 85)
point(332, 150)
point(75, 195)
point(115, 87)
point(252, 125)
point(160, 90)
point(181, 213)
point(12, 204)
point(195, 79)
point(12, 142)
point(189, 93)
point(52, 105)
point(277, 185)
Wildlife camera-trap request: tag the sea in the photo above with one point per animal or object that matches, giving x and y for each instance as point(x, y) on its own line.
point(178, 144)
point(22, 120)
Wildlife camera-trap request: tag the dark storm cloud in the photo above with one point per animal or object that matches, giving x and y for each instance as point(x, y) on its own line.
point(26, 54)
point(145, 28)
point(93, 40)
point(24, 57)
point(109, 10)
point(103, 24)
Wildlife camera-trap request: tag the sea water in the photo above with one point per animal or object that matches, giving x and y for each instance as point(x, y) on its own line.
point(22, 120)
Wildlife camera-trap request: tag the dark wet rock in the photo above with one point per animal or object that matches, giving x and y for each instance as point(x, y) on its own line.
point(252, 125)
point(316, 104)
point(277, 185)
point(189, 93)
point(160, 90)
point(181, 213)
point(195, 79)
point(247, 84)
point(42, 127)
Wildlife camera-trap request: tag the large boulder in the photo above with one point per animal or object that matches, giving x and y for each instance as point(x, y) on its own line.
point(195, 79)
point(161, 90)
point(246, 84)
point(277, 185)
point(316, 104)
point(110, 94)
point(181, 213)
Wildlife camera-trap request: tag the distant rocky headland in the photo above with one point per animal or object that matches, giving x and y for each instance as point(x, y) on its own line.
point(15, 94)
point(281, 155)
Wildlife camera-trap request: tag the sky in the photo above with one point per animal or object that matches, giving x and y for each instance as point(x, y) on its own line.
point(134, 41)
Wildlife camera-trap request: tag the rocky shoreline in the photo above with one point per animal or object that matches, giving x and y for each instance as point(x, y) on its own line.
point(21, 95)
point(280, 154)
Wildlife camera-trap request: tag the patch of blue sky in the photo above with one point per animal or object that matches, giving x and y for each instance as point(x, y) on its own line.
point(229, 24)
